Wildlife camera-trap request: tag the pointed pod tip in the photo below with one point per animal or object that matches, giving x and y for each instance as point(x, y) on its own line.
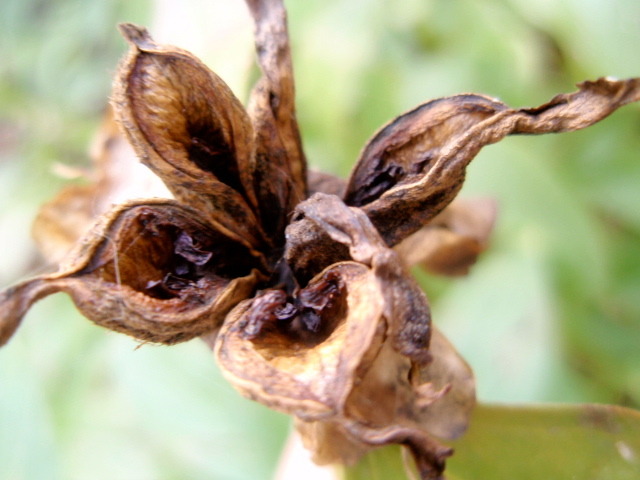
point(14, 303)
point(630, 87)
point(137, 36)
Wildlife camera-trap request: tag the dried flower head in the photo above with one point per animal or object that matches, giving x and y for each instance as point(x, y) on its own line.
point(292, 276)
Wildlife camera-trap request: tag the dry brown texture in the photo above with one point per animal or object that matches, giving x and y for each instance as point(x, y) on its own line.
point(451, 243)
point(415, 166)
point(188, 127)
point(279, 167)
point(132, 274)
point(307, 307)
point(115, 176)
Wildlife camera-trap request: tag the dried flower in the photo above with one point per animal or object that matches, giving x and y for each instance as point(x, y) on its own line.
point(308, 308)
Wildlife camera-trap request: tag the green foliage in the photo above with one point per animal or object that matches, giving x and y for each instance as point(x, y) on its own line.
point(590, 442)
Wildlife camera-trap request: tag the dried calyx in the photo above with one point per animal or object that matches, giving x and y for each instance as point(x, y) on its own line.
point(308, 307)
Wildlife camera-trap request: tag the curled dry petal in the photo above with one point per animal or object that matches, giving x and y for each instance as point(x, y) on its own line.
point(188, 127)
point(414, 167)
point(449, 418)
point(386, 407)
point(152, 270)
point(16, 300)
point(64, 220)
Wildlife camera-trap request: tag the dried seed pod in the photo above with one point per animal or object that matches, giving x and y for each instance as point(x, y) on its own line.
point(279, 169)
point(156, 271)
point(189, 128)
point(307, 307)
point(311, 376)
point(415, 166)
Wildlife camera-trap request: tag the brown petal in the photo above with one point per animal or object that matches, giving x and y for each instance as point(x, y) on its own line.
point(451, 243)
point(63, 220)
point(279, 170)
point(152, 270)
point(188, 127)
point(310, 379)
point(415, 166)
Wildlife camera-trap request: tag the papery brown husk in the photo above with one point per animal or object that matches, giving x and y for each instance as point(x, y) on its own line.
point(385, 397)
point(369, 380)
point(114, 277)
point(307, 307)
point(115, 177)
point(310, 381)
point(187, 126)
point(452, 242)
point(415, 165)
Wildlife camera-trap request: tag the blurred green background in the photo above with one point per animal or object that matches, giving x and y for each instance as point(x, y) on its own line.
point(551, 313)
